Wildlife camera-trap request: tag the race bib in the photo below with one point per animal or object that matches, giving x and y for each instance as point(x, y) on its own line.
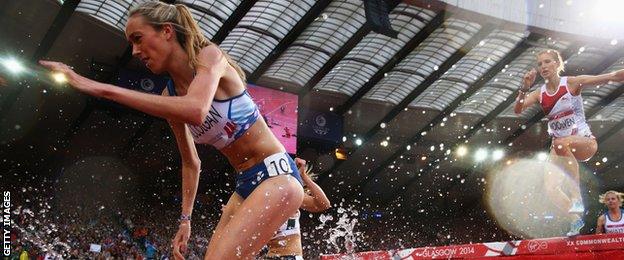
point(562, 124)
point(278, 164)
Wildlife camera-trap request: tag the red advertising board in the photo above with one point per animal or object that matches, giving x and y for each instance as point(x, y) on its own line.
point(608, 246)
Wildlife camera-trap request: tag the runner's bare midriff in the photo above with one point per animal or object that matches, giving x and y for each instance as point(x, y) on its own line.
point(251, 148)
point(284, 246)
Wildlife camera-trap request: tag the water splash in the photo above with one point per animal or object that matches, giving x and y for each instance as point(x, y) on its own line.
point(342, 235)
point(42, 235)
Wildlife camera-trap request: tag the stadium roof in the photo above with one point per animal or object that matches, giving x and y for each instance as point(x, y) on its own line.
point(450, 78)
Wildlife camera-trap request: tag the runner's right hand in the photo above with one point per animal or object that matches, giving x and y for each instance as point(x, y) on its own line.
point(528, 79)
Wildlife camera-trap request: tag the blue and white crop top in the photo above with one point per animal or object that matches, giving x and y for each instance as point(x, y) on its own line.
point(226, 121)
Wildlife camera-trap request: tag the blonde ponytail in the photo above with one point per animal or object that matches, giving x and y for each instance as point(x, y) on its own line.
point(187, 30)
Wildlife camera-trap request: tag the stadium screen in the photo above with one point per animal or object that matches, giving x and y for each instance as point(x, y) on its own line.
point(279, 110)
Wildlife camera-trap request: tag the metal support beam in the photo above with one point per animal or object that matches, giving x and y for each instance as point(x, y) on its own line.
point(333, 61)
point(406, 50)
point(233, 20)
point(456, 56)
point(60, 21)
point(92, 101)
point(396, 59)
point(292, 35)
point(512, 55)
point(337, 57)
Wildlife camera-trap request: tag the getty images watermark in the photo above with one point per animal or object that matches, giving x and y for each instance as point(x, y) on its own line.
point(6, 223)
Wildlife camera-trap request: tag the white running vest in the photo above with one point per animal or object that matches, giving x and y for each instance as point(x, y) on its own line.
point(564, 111)
point(614, 226)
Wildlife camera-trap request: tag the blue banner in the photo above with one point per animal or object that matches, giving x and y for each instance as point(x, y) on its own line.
point(325, 126)
point(141, 81)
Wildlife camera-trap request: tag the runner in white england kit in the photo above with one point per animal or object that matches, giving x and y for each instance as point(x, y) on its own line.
point(572, 140)
point(565, 112)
